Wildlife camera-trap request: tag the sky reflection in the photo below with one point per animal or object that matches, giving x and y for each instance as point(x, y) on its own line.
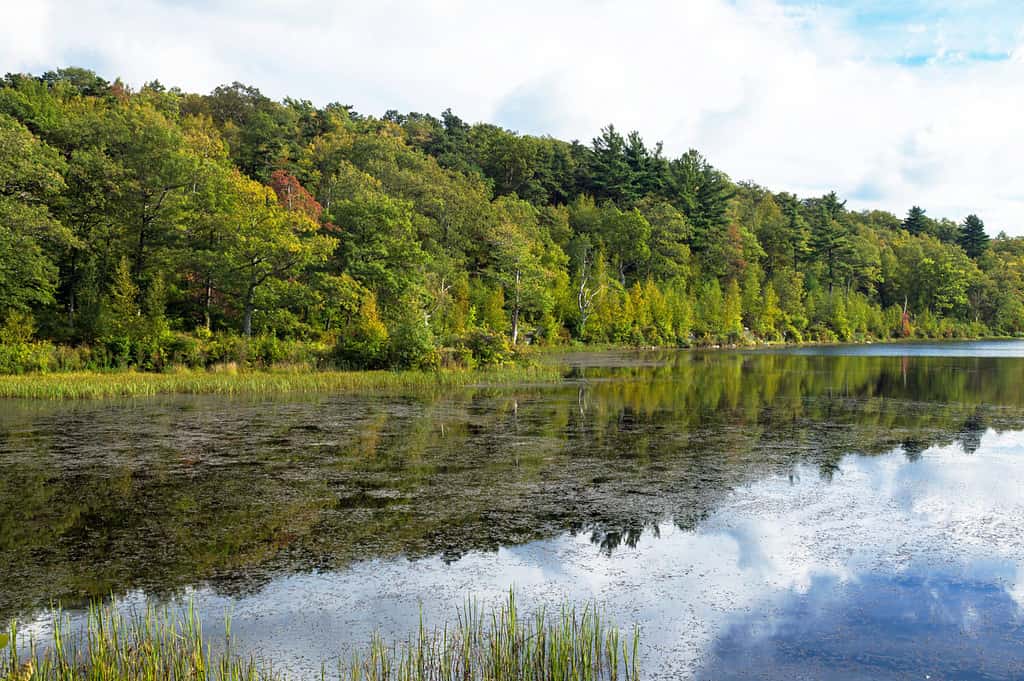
point(890, 565)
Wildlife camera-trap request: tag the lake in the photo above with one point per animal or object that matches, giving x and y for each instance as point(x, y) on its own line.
point(835, 512)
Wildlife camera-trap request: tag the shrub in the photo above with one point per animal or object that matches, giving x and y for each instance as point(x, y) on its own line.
point(363, 341)
point(412, 343)
point(488, 347)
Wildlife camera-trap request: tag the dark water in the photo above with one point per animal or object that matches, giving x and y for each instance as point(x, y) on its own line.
point(821, 513)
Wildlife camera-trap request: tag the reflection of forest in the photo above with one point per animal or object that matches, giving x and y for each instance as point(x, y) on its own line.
point(98, 498)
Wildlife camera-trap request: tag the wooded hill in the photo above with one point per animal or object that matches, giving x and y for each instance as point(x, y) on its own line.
point(156, 226)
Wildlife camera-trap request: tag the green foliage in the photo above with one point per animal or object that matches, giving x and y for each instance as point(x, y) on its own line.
point(916, 222)
point(412, 343)
point(30, 176)
point(711, 321)
point(972, 238)
point(156, 228)
point(489, 348)
point(732, 319)
point(363, 340)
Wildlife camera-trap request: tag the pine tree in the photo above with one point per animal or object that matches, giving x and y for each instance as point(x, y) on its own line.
point(916, 223)
point(972, 237)
point(831, 243)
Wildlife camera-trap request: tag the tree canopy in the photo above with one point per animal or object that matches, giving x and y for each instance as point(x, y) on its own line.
point(140, 223)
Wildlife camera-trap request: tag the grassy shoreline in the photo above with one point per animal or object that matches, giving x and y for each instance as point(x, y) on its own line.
point(128, 383)
point(131, 383)
point(496, 644)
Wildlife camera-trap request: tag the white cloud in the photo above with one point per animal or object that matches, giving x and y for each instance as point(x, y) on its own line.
point(785, 96)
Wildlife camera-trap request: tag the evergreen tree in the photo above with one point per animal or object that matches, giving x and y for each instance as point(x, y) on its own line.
point(830, 243)
point(916, 223)
point(611, 175)
point(972, 237)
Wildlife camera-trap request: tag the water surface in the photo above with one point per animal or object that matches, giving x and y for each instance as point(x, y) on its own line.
point(814, 513)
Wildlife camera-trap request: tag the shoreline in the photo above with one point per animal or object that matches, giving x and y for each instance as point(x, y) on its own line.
point(130, 383)
point(95, 384)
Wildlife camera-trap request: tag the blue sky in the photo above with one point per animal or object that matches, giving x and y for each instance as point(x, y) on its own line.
point(916, 32)
point(891, 104)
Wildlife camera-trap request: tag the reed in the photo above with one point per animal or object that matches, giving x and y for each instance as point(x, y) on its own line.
point(77, 385)
point(482, 645)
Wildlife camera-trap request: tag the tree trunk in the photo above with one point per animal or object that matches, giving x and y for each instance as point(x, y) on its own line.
point(515, 312)
point(72, 301)
point(207, 302)
point(247, 324)
point(250, 294)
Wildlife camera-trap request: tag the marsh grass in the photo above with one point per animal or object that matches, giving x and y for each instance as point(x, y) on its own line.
point(483, 645)
point(229, 380)
point(114, 647)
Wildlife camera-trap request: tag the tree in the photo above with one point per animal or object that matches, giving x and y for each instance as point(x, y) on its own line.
point(582, 252)
point(670, 231)
point(972, 237)
point(710, 319)
point(916, 222)
point(932, 275)
point(378, 245)
point(702, 193)
point(123, 302)
point(627, 235)
point(732, 312)
point(782, 232)
point(30, 175)
point(293, 196)
point(771, 313)
point(268, 242)
point(363, 342)
point(518, 260)
point(157, 168)
point(611, 175)
point(830, 243)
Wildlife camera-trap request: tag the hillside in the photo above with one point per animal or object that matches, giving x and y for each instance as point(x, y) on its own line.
point(158, 227)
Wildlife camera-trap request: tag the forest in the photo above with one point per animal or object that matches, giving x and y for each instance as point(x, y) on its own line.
point(153, 228)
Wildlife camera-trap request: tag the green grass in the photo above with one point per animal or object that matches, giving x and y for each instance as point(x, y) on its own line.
point(73, 385)
point(494, 645)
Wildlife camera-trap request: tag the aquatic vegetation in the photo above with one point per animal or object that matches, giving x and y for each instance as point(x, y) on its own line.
point(228, 381)
point(495, 644)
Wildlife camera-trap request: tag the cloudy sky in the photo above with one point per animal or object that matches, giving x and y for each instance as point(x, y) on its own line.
point(920, 104)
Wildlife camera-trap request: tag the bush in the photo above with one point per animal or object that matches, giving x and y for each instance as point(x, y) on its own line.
point(224, 349)
point(488, 347)
point(22, 358)
point(185, 350)
point(458, 357)
point(363, 341)
point(412, 343)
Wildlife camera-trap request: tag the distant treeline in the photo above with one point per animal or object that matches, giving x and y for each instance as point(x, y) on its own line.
point(154, 227)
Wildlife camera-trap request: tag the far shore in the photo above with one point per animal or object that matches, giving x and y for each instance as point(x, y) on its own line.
point(230, 380)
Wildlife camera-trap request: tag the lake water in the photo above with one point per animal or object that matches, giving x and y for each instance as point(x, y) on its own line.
point(841, 513)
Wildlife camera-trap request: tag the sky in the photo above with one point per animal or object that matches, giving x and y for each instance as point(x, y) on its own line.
point(889, 103)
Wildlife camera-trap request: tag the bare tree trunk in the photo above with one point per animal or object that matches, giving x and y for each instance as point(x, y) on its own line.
point(584, 296)
point(208, 302)
point(515, 311)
